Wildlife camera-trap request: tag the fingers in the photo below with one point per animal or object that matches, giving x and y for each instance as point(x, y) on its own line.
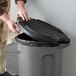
point(14, 31)
point(14, 28)
point(17, 28)
point(27, 16)
point(16, 25)
point(12, 25)
point(17, 15)
point(24, 16)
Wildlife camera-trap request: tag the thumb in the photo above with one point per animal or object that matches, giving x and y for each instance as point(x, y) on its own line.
point(16, 25)
point(17, 28)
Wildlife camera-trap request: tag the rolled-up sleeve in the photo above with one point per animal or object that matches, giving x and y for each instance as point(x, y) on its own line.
point(20, 0)
point(1, 11)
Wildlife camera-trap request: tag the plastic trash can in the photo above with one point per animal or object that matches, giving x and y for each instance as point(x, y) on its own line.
point(40, 56)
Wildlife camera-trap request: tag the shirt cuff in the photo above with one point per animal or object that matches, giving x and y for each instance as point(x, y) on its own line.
point(1, 11)
point(20, 0)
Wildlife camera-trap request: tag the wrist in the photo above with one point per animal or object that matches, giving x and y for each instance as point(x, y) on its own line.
point(20, 4)
point(7, 21)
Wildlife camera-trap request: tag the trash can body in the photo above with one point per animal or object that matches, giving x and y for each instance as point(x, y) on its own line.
point(40, 61)
point(40, 54)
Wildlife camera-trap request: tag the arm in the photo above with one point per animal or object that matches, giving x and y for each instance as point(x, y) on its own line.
point(21, 11)
point(11, 24)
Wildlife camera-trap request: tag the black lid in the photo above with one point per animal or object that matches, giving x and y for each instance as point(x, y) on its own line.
point(42, 31)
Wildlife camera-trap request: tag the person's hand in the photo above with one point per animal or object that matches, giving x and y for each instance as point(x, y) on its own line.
point(21, 12)
point(12, 25)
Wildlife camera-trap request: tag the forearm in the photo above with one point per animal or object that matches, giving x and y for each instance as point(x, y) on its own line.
point(11, 24)
point(4, 17)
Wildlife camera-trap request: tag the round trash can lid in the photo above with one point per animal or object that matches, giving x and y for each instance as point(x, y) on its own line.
point(42, 31)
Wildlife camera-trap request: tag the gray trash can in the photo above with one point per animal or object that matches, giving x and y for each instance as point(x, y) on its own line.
point(38, 56)
point(38, 59)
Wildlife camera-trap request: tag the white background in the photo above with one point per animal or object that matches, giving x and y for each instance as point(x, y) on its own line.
point(61, 13)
